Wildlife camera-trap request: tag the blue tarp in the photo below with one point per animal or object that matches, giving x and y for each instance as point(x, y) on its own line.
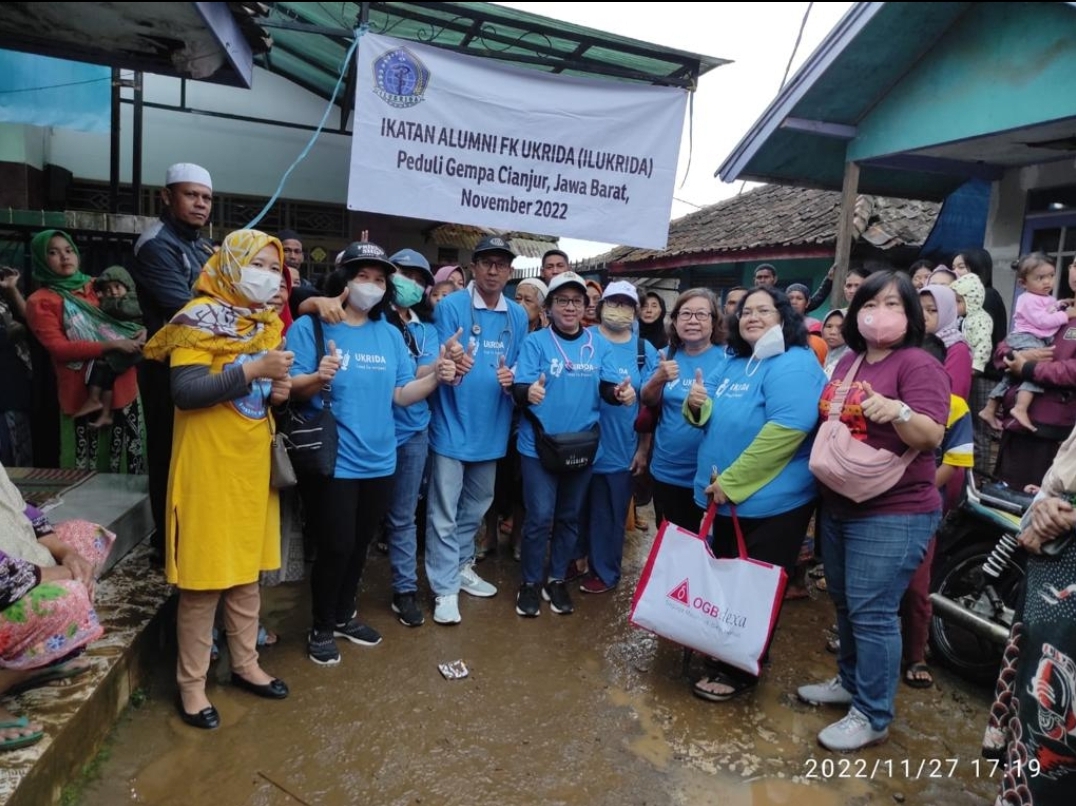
point(53, 92)
point(961, 223)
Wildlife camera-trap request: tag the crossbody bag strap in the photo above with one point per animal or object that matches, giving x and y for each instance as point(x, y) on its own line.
point(530, 415)
point(319, 348)
point(836, 405)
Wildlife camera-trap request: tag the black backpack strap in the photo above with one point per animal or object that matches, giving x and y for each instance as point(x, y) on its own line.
point(319, 347)
point(640, 357)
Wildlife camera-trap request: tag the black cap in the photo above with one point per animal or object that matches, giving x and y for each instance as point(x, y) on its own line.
point(493, 243)
point(366, 252)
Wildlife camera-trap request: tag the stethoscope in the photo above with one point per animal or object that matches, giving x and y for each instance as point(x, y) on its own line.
point(587, 346)
point(476, 329)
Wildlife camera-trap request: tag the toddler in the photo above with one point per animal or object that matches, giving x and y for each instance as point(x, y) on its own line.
point(440, 291)
point(1035, 321)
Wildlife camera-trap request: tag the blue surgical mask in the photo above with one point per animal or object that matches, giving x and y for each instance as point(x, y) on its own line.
point(408, 292)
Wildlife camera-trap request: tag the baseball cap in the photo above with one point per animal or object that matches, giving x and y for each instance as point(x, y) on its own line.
point(621, 288)
point(493, 243)
point(366, 252)
point(567, 278)
point(411, 259)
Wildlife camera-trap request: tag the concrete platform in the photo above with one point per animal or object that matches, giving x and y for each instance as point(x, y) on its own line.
point(129, 602)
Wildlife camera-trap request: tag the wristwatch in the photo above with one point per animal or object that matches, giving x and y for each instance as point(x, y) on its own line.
point(905, 412)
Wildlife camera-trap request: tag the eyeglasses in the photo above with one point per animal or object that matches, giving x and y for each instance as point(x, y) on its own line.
point(494, 265)
point(761, 313)
point(569, 302)
point(687, 316)
point(614, 304)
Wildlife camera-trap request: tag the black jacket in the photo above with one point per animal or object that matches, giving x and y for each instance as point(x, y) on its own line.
point(168, 259)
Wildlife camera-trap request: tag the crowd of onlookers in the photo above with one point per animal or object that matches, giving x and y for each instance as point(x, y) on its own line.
point(460, 412)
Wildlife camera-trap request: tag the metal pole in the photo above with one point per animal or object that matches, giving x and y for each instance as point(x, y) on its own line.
point(136, 146)
point(114, 148)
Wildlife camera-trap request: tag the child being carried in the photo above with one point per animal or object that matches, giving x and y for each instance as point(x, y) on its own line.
point(1035, 321)
point(115, 293)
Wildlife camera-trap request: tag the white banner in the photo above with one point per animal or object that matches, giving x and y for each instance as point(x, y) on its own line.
point(468, 140)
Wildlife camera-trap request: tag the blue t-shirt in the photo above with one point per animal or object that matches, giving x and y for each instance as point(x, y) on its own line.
point(470, 421)
point(411, 420)
point(573, 370)
point(748, 394)
point(373, 362)
point(618, 442)
point(676, 442)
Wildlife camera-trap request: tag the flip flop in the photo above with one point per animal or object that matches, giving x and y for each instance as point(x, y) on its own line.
point(49, 676)
point(19, 741)
point(914, 669)
point(736, 685)
point(267, 637)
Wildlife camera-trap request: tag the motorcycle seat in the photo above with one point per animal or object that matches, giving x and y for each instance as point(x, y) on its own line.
point(1005, 498)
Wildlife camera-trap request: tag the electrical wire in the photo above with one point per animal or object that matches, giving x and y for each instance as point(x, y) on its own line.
point(796, 47)
point(317, 132)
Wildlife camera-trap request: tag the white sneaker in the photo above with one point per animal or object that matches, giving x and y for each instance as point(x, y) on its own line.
point(829, 693)
point(446, 609)
point(472, 583)
point(854, 732)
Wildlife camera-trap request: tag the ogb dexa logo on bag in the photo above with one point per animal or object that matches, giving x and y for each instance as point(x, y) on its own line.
point(726, 621)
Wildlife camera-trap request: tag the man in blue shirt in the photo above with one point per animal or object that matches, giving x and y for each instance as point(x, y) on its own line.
point(482, 331)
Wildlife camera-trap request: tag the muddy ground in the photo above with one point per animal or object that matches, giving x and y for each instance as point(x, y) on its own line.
point(580, 709)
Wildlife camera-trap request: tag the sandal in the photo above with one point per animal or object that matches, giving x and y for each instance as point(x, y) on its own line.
point(15, 742)
point(60, 675)
point(267, 637)
point(918, 675)
point(817, 571)
point(734, 685)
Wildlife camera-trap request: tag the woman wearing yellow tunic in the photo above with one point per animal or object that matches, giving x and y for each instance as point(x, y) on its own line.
point(223, 519)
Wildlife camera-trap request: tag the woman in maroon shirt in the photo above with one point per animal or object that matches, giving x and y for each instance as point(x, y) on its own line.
point(899, 400)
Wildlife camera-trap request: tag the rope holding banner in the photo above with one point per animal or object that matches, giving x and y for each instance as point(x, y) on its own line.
point(359, 31)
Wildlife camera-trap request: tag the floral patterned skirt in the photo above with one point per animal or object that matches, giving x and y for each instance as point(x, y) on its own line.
point(55, 619)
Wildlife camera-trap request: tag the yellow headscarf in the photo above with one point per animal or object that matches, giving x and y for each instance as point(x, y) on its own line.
point(219, 321)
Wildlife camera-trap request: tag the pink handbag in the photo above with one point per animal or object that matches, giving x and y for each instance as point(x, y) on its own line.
point(847, 466)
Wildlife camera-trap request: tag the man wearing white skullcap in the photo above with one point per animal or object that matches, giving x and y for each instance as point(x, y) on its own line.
point(168, 259)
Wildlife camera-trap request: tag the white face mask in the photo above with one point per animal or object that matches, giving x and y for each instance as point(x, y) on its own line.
point(769, 344)
point(258, 286)
point(364, 296)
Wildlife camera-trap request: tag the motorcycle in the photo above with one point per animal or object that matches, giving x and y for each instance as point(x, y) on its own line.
point(976, 579)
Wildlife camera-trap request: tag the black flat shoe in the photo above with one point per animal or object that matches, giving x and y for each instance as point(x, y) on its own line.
point(275, 689)
point(206, 719)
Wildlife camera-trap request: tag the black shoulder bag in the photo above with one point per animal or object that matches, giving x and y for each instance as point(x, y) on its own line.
point(312, 440)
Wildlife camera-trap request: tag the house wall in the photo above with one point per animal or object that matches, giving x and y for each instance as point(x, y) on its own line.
point(1005, 221)
point(1001, 66)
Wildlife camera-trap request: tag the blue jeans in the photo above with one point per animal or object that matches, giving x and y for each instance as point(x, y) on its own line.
point(458, 497)
point(869, 563)
point(553, 502)
point(400, 531)
point(610, 495)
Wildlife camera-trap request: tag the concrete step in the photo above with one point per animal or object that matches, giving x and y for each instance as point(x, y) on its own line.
point(79, 716)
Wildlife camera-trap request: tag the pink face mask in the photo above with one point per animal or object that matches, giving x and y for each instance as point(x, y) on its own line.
point(882, 327)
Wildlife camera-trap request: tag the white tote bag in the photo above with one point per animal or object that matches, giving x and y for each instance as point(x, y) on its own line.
point(724, 608)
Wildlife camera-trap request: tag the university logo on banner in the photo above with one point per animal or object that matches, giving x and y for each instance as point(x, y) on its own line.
point(448, 137)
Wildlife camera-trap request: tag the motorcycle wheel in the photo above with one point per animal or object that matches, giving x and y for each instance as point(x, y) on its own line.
point(960, 577)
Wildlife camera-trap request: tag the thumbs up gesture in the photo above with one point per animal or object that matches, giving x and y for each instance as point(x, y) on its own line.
point(536, 392)
point(625, 392)
point(446, 367)
point(454, 350)
point(878, 408)
point(329, 310)
point(698, 395)
point(329, 364)
point(505, 377)
point(668, 369)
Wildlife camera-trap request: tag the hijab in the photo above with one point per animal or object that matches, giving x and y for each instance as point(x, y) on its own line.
point(218, 321)
point(655, 332)
point(945, 301)
point(444, 274)
point(83, 320)
point(978, 326)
